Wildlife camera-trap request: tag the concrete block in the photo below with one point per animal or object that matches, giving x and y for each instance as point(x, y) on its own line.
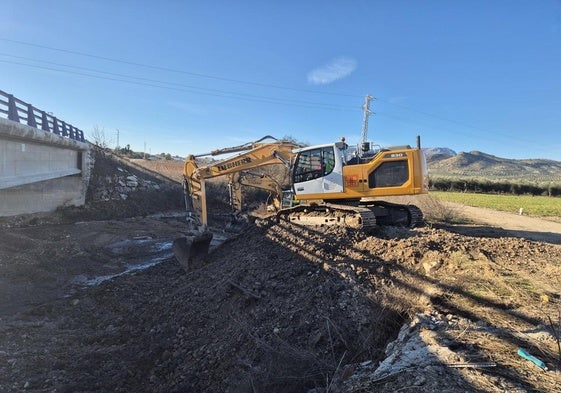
point(42, 196)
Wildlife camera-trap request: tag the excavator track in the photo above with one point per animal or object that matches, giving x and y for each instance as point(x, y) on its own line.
point(365, 216)
point(329, 215)
point(394, 214)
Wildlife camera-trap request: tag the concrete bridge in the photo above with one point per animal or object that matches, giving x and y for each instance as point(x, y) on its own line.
point(44, 162)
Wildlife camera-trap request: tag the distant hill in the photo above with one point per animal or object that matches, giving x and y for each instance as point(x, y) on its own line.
point(444, 162)
point(439, 152)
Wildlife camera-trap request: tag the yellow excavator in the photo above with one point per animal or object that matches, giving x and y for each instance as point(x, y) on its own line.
point(334, 184)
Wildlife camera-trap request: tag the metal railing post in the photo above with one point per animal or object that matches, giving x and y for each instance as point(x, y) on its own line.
point(55, 126)
point(31, 116)
point(45, 122)
point(12, 109)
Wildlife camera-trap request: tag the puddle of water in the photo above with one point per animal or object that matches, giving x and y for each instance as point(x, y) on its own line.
point(161, 246)
point(160, 250)
point(131, 269)
point(125, 246)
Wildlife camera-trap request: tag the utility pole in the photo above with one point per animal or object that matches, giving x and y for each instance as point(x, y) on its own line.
point(117, 139)
point(364, 145)
point(144, 149)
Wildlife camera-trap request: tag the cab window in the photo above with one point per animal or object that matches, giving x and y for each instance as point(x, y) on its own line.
point(328, 156)
point(389, 174)
point(313, 164)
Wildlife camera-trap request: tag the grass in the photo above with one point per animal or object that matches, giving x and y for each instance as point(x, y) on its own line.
point(532, 205)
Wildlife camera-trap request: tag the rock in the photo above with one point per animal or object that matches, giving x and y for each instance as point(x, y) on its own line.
point(132, 181)
point(431, 261)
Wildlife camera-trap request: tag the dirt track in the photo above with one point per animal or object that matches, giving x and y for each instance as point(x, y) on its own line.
point(533, 228)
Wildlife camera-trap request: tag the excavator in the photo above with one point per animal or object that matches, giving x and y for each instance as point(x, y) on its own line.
point(331, 184)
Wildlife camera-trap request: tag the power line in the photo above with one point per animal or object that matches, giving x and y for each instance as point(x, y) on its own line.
point(217, 92)
point(167, 69)
point(207, 76)
point(429, 114)
point(193, 89)
point(232, 95)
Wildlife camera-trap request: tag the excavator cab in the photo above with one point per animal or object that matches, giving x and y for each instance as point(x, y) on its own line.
point(323, 173)
point(318, 170)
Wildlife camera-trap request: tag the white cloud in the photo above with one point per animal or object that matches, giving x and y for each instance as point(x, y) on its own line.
point(336, 69)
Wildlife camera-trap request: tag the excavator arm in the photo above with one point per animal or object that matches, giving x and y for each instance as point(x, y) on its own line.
point(251, 156)
point(251, 179)
point(192, 249)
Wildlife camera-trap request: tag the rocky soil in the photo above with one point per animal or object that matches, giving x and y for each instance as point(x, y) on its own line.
point(98, 304)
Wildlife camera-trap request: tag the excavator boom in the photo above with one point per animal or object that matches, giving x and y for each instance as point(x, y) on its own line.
point(191, 249)
point(256, 154)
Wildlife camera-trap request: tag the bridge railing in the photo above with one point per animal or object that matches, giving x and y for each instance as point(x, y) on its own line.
point(17, 110)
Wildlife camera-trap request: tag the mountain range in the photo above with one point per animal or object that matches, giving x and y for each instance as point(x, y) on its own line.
point(446, 163)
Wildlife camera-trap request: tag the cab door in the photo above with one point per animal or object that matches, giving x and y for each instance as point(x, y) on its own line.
point(332, 170)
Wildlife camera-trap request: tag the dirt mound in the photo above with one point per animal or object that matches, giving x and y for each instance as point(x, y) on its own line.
point(258, 315)
point(282, 308)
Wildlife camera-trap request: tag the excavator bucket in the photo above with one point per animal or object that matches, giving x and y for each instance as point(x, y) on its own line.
point(191, 251)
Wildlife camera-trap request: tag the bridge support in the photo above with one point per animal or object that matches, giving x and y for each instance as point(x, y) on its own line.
point(40, 171)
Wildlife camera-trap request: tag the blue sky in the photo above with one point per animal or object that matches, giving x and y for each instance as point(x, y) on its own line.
point(190, 76)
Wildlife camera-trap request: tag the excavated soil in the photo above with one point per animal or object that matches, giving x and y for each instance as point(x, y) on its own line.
point(277, 308)
point(93, 301)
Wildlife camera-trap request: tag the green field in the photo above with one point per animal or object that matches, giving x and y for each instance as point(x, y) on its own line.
point(532, 205)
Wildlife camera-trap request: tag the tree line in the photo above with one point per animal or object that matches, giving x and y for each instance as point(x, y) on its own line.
point(495, 187)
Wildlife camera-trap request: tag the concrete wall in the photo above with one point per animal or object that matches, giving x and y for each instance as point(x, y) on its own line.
point(40, 171)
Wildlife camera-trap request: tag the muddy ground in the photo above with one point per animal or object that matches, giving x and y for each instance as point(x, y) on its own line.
point(101, 305)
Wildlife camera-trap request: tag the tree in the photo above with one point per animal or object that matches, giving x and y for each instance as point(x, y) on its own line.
point(99, 137)
point(291, 139)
